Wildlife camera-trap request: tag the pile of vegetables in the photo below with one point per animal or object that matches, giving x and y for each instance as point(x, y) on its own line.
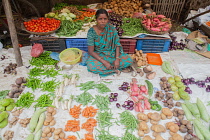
point(7, 104)
point(11, 69)
point(124, 8)
point(132, 26)
point(116, 20)
point(43, 59)
point(17, 88)
point(177, 45)
point(4, 119)
point(157, 23)
point(42, 24)
point(69, 28)
point(3, 93)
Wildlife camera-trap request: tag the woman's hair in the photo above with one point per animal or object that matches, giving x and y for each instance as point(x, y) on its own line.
point(101, 11)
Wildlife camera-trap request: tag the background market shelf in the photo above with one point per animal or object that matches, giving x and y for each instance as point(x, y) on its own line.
point(50, 44)
point(146, 44)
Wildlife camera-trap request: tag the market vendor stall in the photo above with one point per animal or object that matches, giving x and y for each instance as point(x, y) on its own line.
point(162, 95)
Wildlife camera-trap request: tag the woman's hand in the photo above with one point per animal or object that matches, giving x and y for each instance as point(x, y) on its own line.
point(108, 65)
point(116, 63)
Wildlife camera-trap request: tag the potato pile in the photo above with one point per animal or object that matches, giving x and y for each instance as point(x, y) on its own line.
point(124, 8)
point(47, 133)
point(17, 88)
point(11, 69)
point(179, 113)
point(139, 58)
point(164, 84)
point(50, 120)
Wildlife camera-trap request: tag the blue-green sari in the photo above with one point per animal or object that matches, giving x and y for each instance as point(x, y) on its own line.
point(105, 46)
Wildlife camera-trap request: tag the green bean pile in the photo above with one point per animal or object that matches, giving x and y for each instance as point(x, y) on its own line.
point(69, 28)
point(102, 88)
point(104, 119)
point(43, 101)
point(84, 98)
point(102, 102)
point(48, 72)
point(129, 120)
point(105, 135)
point(25, 100)
point(129, 136)
point(33, 83)
point(133, 27)
point(43, 59)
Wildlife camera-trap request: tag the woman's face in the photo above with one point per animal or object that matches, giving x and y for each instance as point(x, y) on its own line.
point(102, 20)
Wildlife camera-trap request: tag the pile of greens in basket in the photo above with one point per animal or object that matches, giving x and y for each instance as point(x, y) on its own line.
point(132, 26)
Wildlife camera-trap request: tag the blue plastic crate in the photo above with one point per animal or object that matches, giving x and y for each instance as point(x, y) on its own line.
point(77, 43)
point(153, 45)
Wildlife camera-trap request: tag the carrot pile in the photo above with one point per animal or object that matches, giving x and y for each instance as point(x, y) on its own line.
point(75, 111)
point(85, 14)
point(89, 125)
point(88, 136)
point(71, 137)
point(72, 125)
point(208, 23)
point(89, 112)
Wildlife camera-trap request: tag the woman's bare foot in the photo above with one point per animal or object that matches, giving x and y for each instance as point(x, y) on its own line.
point(118, 72)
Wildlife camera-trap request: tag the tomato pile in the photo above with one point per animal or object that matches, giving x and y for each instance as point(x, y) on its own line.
point(42, 24)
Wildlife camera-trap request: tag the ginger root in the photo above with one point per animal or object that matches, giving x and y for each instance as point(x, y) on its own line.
point(147, 137)
point(158, 128)
point(143, 127)
point(176, 136)
point(143, 117)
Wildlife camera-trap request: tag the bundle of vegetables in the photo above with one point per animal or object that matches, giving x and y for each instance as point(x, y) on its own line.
point(42, 24)
point(69, 28)
point(156, 23)
point(132, 26)
point(48, 72)
point(43, 59)
point(25, 100)
point(7, 104)
point(3, 93)
point(176, 45)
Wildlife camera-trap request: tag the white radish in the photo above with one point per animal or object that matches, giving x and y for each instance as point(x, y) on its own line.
point(66, 80)
point(62, 105)
point(69, 102)
point(56, 102)
point(61, 88)
point(73, 79)
point(66, 104)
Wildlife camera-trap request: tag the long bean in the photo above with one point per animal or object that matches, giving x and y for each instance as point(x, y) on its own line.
point(104, 119)
point(3, 93)
point(102, 102)
point(129, 136)
point(105, 135)
point(102, 88)
point(128, 119)
point(33, 83)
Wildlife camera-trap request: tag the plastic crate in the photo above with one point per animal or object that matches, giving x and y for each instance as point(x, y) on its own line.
point(50, 44)
point(77, 43)
point(153, 45)
point(129, 45)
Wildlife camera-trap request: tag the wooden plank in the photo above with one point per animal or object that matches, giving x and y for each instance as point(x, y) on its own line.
point(13, 33)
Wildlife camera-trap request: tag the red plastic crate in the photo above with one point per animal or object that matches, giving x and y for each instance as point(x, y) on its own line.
point(129, 45)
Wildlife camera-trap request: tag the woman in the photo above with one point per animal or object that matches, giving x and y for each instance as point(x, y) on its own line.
point(106, 53)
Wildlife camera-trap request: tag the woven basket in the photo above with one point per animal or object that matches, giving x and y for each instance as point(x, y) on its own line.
point(38, 33)
point(70, 56)
point(154, 32)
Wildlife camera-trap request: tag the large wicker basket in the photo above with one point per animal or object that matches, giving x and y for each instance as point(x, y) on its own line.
point(154, 32)
point(38, 33)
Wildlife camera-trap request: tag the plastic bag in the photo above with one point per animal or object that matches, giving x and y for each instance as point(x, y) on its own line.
point(37, 50)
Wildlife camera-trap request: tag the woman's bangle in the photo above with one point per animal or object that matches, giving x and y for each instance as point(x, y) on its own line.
point(117, 58)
